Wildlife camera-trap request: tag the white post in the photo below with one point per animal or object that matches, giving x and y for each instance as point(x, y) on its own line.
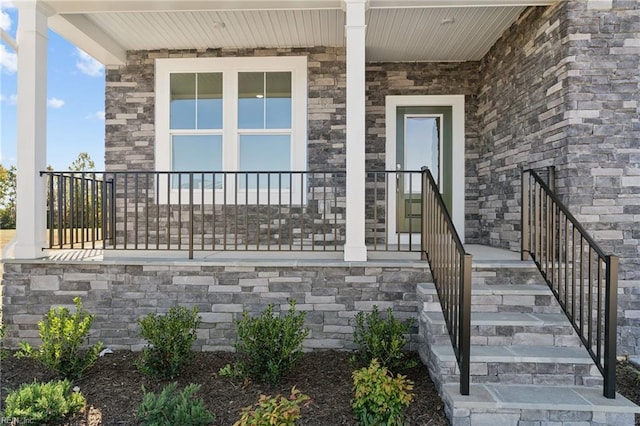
point(355, 248)
point(31, 130)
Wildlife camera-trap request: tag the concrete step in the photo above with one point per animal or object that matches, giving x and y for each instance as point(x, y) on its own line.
point(505, 272)
point(509, 328)
point(535, 365)
point(526, 298)
point(512, 405)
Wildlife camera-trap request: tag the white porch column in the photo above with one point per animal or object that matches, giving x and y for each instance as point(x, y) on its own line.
point(31, 130)
point(355, 249)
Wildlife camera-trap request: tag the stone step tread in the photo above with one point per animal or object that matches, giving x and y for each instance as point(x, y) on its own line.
point(511, 289)
point(519, 354)
point(515, 319)
point(480, 264)
point(537, 397)
point(496, 289)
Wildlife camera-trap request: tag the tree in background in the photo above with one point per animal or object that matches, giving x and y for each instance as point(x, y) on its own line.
point(7, 197)
point(83, 163)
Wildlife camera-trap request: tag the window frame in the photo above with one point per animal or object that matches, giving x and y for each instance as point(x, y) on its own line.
point(230, 67)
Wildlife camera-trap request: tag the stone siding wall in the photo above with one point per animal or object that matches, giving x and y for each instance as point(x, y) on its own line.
point(385, 79)
point(130, 134)
point(561, 88)
point(602, 180)
point(521, 110)
point(130, 105)
point(119, 293)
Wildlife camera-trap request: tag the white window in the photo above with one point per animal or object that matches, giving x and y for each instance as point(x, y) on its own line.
point(232, 115)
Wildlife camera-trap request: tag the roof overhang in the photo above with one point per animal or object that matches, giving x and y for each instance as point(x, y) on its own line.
point(397, 30)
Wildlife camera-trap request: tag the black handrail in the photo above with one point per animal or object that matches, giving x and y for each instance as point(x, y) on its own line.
point(583, 278)
point(451, 269)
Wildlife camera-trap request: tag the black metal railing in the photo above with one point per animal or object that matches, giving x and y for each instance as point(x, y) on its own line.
point(451, 269)
point(77, 209)
point(393, 189)
point(226, 211)
point(582, 277)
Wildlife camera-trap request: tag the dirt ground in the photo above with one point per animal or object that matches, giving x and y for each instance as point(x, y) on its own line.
point(113, 389)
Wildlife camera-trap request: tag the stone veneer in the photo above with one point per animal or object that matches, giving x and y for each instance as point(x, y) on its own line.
point(384, 79)
point(119, 293)
point(561, 88)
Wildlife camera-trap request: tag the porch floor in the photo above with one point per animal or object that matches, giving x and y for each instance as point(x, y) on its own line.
point(481, 254)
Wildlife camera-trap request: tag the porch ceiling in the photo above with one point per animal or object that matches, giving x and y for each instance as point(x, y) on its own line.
point(397, 30)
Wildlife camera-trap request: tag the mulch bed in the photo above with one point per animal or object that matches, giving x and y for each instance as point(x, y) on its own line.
point(113, 389)
point(628, 383)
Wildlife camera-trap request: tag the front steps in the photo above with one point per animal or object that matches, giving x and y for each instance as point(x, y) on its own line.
point(527, 367)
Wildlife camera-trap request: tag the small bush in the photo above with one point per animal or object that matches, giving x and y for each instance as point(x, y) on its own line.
point(172, 407)
point(380, 338)
point(276, 410)
point(171, 337)
point(43, 402)
point(63, 335)
point(271, 344)
point(379, 397)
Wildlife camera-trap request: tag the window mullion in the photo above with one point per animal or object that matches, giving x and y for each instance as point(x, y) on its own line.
point(195, 95)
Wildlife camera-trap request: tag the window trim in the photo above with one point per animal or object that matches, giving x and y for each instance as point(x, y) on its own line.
point(230, 67)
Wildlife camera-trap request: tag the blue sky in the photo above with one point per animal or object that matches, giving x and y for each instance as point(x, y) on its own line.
point(75, 100)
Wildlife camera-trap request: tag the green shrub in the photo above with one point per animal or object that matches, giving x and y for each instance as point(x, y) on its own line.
point(379, 397)
point(172, 407)
point(271, 344)
point(171, 337)
point(276, 410)
point(63, 335)
point(380, 338)
point(43, 402)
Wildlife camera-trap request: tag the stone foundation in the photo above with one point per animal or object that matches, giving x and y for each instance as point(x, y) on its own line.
point(119, 293)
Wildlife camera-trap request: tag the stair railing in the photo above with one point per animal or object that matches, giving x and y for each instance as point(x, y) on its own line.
point(582, 277)
point(451, 269)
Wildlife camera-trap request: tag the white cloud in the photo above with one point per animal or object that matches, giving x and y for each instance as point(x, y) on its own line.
point(87, 65)
point(11, 99)
point(8, 60)
point(55, 103)
point(98, 115)
point(5, 20)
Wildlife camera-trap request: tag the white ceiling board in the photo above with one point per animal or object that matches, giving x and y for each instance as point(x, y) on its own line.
point(420, 34)
point(242, 29)
point(403, 33)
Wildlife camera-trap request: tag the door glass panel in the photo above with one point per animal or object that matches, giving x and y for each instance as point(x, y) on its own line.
point(421, 148)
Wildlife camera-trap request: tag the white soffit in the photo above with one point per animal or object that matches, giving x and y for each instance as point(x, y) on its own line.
point(397, 30)
point(241, 29)
point(436, 34)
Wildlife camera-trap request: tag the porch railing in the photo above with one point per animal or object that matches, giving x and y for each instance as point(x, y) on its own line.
point(451, 270)
point(77, 209)
point(582, 277)
point(224, 211)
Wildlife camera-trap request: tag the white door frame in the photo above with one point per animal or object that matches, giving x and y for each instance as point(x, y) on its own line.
point(456, 102)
